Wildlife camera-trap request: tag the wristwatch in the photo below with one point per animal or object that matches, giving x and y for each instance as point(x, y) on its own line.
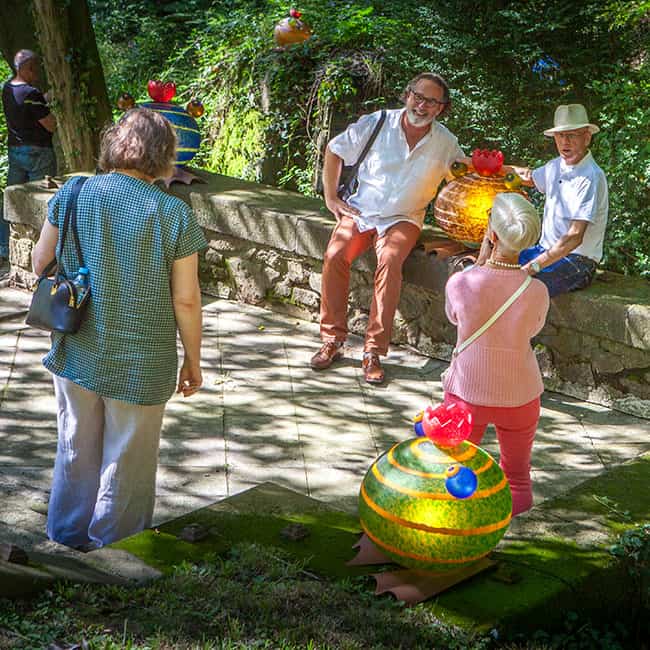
point(535, 265)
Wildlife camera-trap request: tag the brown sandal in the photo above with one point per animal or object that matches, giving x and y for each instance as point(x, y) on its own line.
point(327, 355)
point(372, 370)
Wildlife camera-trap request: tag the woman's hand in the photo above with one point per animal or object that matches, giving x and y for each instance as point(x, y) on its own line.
point(190, 379)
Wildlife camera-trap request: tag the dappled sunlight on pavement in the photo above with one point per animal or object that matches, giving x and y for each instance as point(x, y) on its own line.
point(264, 415)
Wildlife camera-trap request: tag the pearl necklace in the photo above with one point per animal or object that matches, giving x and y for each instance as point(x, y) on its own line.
point(503, 265)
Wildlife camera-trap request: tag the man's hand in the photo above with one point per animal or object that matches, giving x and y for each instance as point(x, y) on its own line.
point(485, 252)
point(332, 166)
point(525, 173)
point(189, 379)
point(529, 269)
point(340, 208)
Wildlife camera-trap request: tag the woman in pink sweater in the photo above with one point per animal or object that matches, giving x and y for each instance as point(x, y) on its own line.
point(496, 377)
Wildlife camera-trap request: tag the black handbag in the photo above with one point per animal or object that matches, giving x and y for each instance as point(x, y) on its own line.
point(348, 181)
point(55, 305)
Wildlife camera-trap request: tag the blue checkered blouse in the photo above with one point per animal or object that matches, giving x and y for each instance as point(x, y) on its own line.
point(130, 233)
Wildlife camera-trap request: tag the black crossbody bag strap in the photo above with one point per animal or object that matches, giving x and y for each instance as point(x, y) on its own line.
point(69, 220)
point(73, 221)
point(366, 149)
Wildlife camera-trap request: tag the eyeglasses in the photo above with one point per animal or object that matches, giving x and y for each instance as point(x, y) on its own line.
point(427, 101)
point(571, 136)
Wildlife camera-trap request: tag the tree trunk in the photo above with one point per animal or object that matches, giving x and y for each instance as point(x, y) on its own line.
point(77, 87)
point(17, 31)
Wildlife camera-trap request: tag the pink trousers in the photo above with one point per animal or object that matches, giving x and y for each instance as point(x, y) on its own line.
point(345, 245)
point(516, 428)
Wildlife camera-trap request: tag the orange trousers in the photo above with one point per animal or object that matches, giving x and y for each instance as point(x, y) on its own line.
point(345, 245)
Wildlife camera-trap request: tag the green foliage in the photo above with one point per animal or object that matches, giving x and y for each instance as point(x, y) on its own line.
point(238, 149)
point(578, 634)
point(623, 150)
point(270, 112)
point(633, 551)
point(5, 73)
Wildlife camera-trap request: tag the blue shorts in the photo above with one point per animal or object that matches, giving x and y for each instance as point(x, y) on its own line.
point(26, 163)
point(30, 163)
point(567, 274)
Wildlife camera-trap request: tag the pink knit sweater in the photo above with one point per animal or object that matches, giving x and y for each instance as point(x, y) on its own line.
point(499, 368)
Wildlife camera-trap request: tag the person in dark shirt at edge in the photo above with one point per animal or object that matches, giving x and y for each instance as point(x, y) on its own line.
point(29, 127)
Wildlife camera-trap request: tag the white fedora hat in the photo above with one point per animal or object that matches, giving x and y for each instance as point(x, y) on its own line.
point(569, 117)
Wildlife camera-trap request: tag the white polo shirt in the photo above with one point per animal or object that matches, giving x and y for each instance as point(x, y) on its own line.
point(395, 184)
point(574, 192)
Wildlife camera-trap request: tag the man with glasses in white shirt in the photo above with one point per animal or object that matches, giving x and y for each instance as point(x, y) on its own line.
point(397, 179)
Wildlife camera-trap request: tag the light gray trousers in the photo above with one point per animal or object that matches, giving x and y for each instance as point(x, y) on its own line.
point(104, 481)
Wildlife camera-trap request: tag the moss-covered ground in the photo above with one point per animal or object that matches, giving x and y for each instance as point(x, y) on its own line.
point(556, 561)
point(258, 515)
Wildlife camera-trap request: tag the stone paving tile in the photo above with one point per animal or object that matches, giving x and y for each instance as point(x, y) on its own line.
point(336, 485)
point(246, 401)
point(358, 453)
point(551, 482)
point(30, 483)
point(192, 418)
point(244, 476)
point(265, 415)
point(8, 343)
point(171, 507)
point(345, 405)
point(612, 454)
point(201, 482)
point(25, 538)
point(14, 303)
point(16, 515)
point(264, 440)
point(608, 427)
point(189, 453)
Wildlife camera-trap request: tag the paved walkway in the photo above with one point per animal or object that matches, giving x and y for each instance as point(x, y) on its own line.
point(264, 415)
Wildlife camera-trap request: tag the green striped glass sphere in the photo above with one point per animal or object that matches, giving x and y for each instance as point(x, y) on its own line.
point(410, 516)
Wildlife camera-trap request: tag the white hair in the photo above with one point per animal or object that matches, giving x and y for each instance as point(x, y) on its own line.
point(22, 57)
point(515, 221)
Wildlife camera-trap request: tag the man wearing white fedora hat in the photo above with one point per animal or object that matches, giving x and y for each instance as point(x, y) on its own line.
point(575, 212)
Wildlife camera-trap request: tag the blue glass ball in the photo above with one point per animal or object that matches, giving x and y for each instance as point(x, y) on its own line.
point(461, 481)
point(417, 425)
point(187, 130)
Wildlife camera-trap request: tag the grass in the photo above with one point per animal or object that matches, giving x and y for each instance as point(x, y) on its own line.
point(253, 597)
point(256, 597)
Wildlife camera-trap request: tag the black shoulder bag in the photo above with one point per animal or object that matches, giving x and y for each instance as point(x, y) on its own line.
point(54, 304)
point(348, 181)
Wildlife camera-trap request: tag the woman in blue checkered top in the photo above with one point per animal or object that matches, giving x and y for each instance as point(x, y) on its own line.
point(113, 378)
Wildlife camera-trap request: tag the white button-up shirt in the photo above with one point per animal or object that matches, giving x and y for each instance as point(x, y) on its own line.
point(395, 183)
point(574, 192)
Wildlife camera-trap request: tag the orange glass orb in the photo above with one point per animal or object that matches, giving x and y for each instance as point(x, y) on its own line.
point(195, 108)
point(125, 102)
point(291, 30)
point(462, 207)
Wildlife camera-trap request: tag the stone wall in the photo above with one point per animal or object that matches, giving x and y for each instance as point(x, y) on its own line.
point(266, 248)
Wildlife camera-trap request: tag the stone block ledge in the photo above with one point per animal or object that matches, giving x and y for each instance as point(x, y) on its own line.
point(267, 246)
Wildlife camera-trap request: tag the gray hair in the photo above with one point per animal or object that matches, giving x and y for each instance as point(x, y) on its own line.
point(437, 79)
point(515, 221)
point(22, 57)
point(142, 140)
